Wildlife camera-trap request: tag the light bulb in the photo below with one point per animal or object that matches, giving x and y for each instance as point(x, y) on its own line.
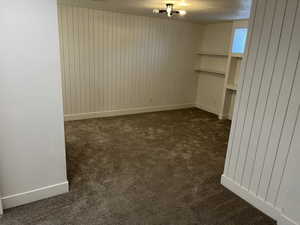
point(169, 10)
point(182, 12)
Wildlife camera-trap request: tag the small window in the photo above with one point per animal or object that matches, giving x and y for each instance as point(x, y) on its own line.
point(239, 40)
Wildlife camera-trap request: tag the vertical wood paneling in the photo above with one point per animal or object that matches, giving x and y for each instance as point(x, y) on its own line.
point(288, 104)
point(264, 91)
point(267, 109)
point(255, 87)
point(279, 116)
point(290, 191)
point(240, 86)
point(275, 89)
point(113, 61)
point(248, 80)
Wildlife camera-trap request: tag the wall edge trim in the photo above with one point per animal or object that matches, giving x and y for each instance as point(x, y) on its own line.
point(248, 196)
point(207, 109)
point(267, 208)
point(35, 195)
point(128, 111)
point(284, 220)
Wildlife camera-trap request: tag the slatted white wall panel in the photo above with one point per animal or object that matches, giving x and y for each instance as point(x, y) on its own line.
point(1, 207)
point(113, 62)
point(290, 191)
point(267, 106)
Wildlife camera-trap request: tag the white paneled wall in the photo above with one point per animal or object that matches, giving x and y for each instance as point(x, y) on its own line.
point(116, 63)
point(267, 107)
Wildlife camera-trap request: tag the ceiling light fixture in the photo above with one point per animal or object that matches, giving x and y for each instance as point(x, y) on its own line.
point(169, 11)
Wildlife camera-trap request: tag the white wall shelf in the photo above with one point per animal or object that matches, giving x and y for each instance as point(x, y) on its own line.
point(211, 53)
point(235, 55)
point(232, 87)
point(213, 71)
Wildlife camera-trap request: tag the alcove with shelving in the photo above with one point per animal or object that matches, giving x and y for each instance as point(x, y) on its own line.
point(233, 70)
point(218, 65)
point(211, 64)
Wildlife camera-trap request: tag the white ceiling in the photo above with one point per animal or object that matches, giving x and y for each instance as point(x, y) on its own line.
point(197, 10)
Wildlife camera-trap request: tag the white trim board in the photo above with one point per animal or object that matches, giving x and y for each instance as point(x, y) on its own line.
point(256, 201)
point(120, 112)
point(215, 112)
point(284, 220)
point(249, 197)
point(35, 195)
point(1, 208)
point(207, 109)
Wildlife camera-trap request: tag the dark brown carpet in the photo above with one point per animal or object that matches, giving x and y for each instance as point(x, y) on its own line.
point(151, 169)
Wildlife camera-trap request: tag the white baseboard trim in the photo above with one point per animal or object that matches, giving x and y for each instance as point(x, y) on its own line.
point(82, 116)
point(223, 117)
point(284, 220)
point(269, 209)
point(35, 195)
point(250, 197)
point(205, 108)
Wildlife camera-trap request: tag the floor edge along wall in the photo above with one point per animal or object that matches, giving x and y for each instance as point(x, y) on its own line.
point(129, 111)
point(259, 203)
point(35, 195)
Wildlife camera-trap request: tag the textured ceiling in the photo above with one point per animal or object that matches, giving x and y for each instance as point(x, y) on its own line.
point(197, 10)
